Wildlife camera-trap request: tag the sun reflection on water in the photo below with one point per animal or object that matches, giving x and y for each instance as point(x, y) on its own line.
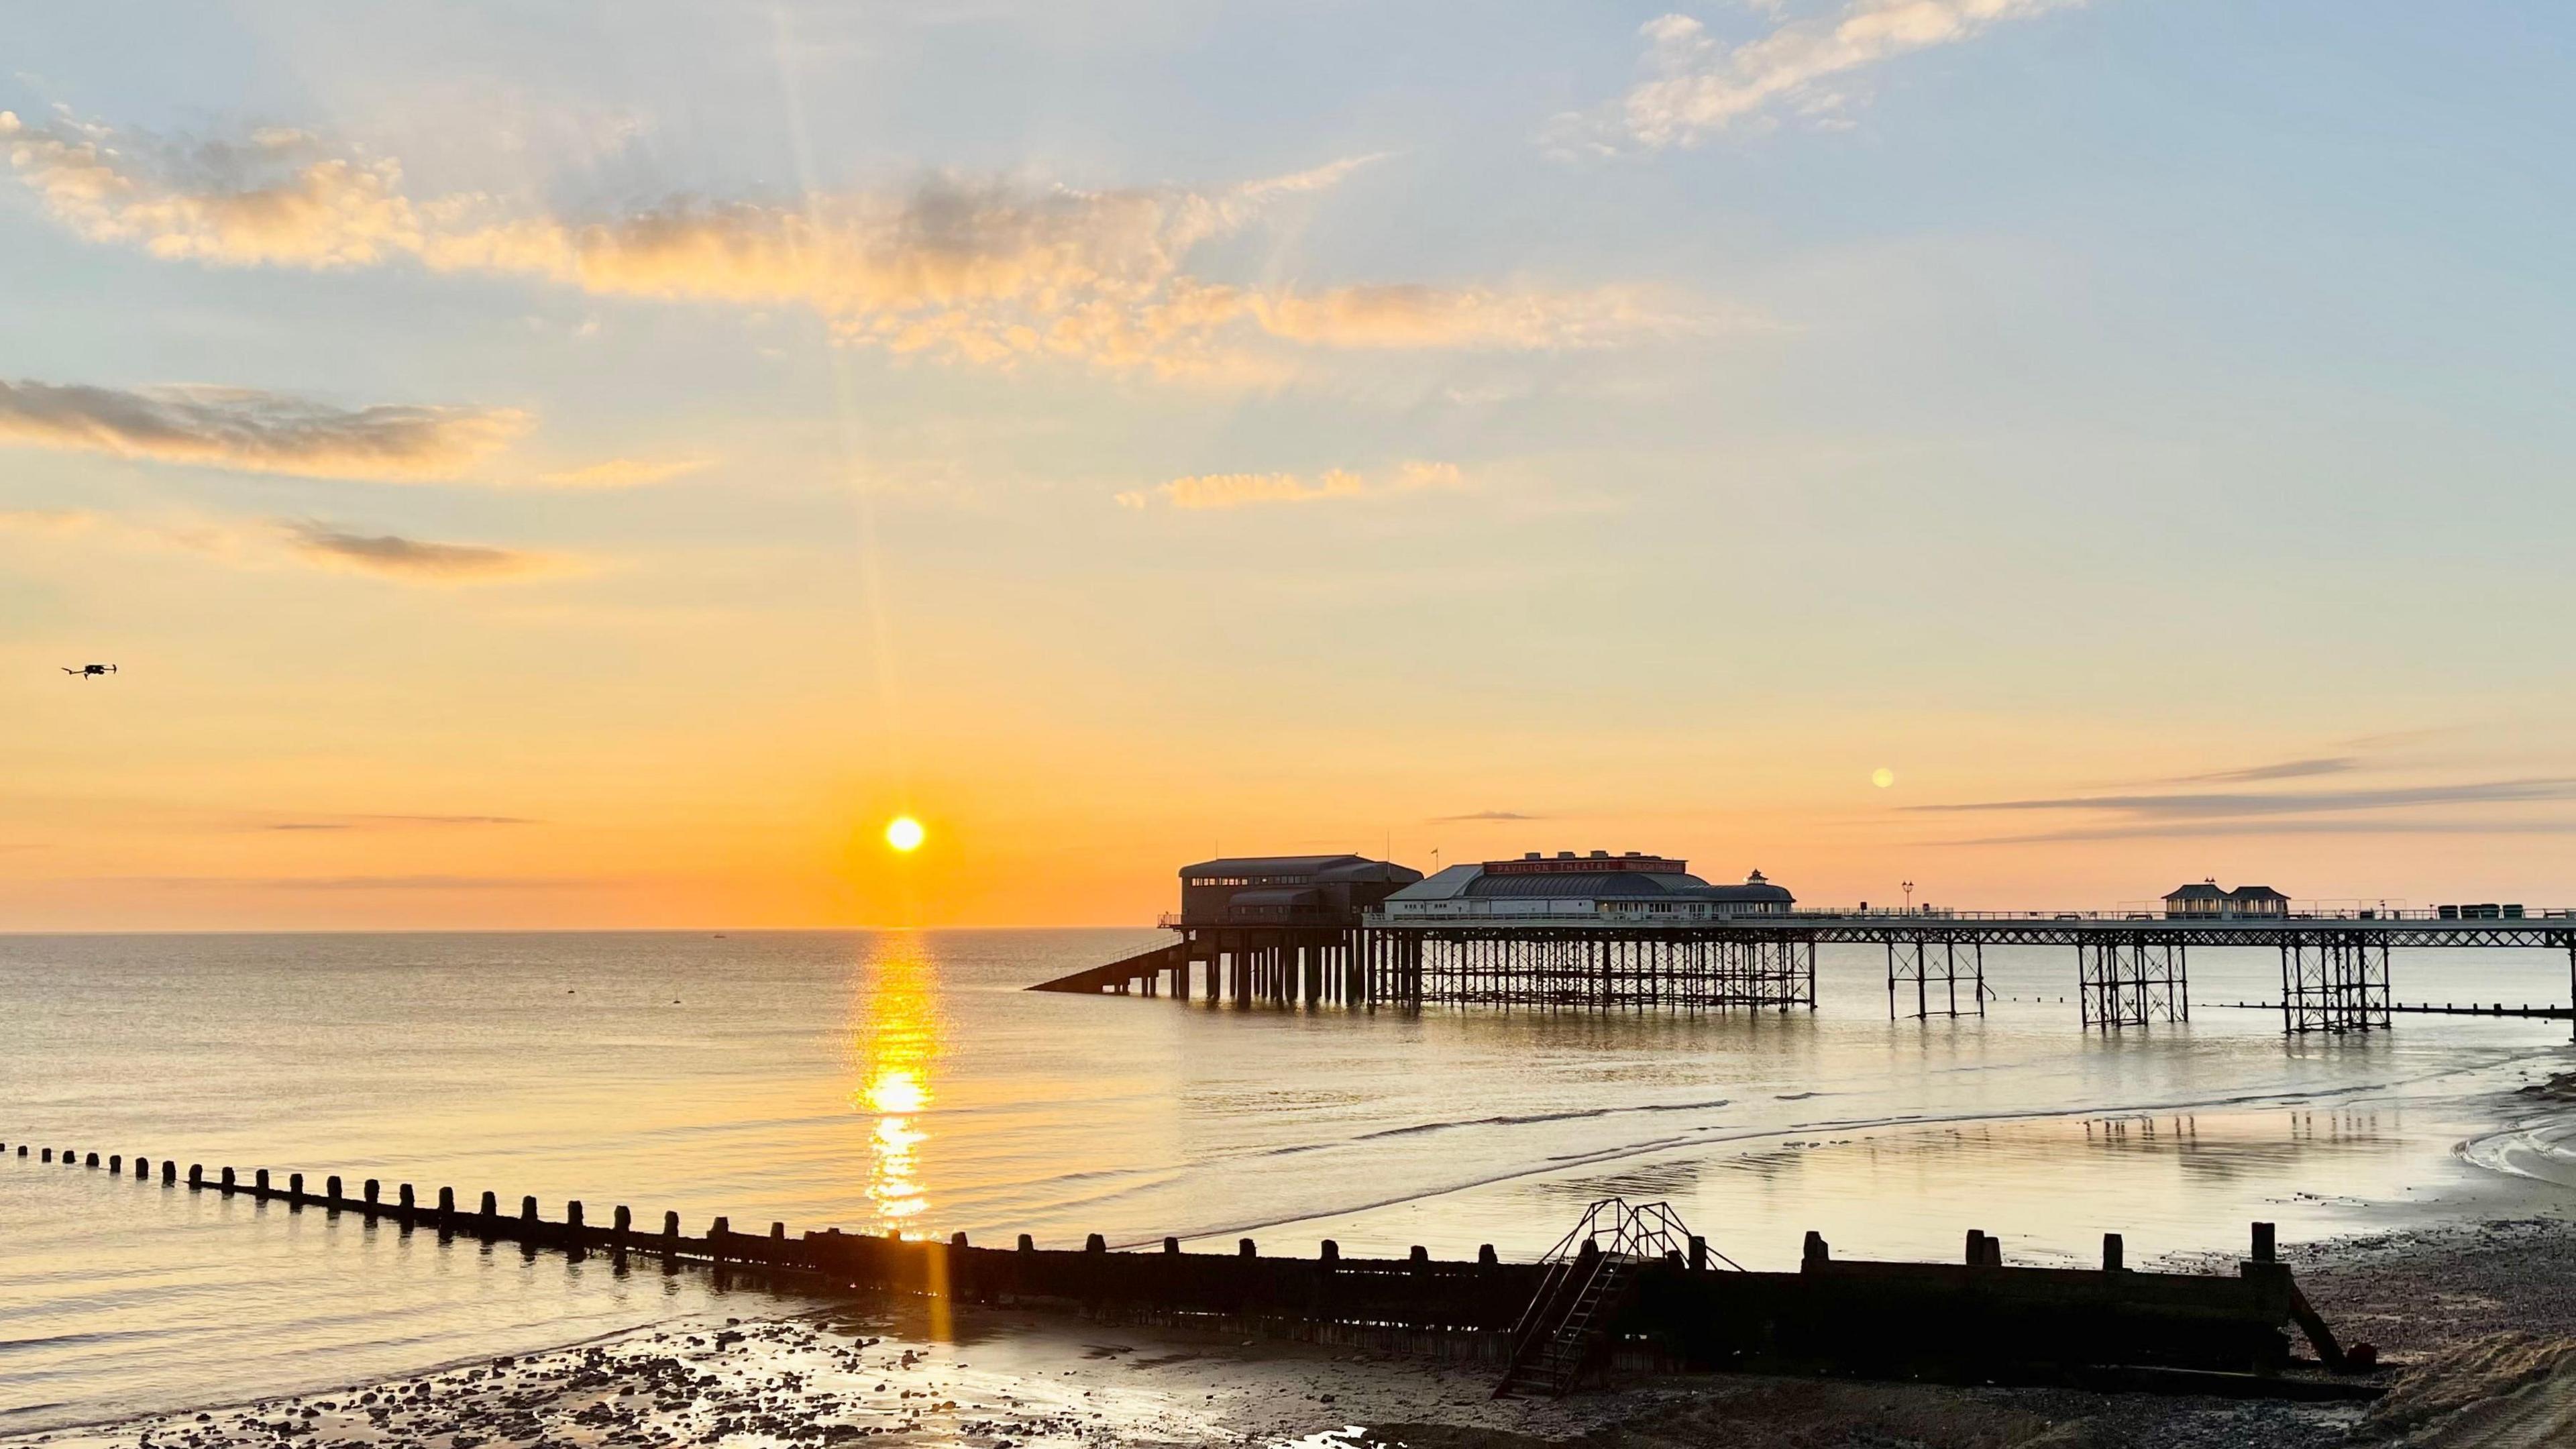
point(894, 1045)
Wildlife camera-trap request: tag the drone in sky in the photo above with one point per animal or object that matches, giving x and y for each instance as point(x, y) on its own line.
point(86, 670)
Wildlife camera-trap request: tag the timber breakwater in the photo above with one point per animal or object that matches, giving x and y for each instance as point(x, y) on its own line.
point(1629, 1285)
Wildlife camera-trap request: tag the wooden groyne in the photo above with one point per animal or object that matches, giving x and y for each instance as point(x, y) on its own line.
point(1685, 1309)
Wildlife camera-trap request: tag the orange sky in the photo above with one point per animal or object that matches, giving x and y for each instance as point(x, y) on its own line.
point(592, 469)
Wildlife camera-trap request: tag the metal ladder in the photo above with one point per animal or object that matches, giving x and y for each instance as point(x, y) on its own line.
point(1556, 1355)
point(1590, 1274)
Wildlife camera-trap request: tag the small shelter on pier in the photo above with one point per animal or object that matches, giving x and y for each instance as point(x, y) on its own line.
point(2206, 901)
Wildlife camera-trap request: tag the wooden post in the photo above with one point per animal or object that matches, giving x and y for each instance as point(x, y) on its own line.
point(670, 1232)
point(259, 1182)
point(169, 1172)
point(331, 1192)
point(1028, 1244)
point(1816, 1251)
point(1171, 1245)
point(1698, 1254)
point(90, 1161)
point(1244, 1249)
point(2112, 1253)
point(226, 1187)
point(2263, 1243)
point(196, 1176)
point(491, 1207)
point(528, 1222)
point(115, 1162)
point(404, 1200)
point(1976, 1247)
point(572, 1228)
point(716, 1234)
point(48, 1157)
point(1485, 1255)
point(370, 1190)
point(1095, 1244)
point(620, 1224)
point(446, 1208)
point(142, 1166)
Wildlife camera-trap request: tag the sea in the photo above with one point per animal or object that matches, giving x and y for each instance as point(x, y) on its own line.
point(906, 1080)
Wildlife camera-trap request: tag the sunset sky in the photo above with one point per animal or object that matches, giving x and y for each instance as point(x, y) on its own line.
point(593, 464)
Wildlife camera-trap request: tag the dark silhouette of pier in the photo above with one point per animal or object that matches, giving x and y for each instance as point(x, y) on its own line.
point(1242, 939)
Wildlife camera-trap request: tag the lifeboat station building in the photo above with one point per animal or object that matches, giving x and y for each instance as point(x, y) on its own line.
point(1565, 886)
point(1309, 892)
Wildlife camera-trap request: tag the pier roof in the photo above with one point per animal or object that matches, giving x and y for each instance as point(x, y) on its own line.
point(1313, 867)
point(1602, 884)
point(1612, 882)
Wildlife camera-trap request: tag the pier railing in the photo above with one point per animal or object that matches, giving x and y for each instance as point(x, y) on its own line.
point(1932, 915)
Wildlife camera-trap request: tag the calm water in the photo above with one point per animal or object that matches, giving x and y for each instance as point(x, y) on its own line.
point(875, 1080)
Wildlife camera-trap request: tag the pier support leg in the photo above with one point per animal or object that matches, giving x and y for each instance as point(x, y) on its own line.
point(2130, 981)
point(2335, 983)
point(1915, 961)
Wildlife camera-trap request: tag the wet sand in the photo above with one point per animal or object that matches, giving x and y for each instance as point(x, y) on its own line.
point(2477, 1318)
point(1040, 1381)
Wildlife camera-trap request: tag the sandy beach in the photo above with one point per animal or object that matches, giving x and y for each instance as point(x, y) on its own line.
point(2436, 1299)
point(2469, 1297)
point(2466, 1293)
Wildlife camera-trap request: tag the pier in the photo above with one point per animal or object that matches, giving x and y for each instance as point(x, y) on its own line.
point(1635, 932)
point(1629, 1285)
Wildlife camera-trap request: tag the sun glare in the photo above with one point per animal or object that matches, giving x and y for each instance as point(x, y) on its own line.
point(1882, 777)
point(905, 834)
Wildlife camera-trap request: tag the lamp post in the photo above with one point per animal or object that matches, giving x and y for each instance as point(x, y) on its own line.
point(1909, 896)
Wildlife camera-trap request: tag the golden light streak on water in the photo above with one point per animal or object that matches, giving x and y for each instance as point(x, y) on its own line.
point(895, 1045)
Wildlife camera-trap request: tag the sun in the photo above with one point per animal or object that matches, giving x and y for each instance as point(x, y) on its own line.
point(905, 834)
point(1882, 777)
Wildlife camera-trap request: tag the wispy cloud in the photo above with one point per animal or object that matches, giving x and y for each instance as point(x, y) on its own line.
point(363, 882)
point(2345, 825)
point(1435, 317)
point(394, 556)
point(257, 432)
point(366, 822)
point(1697, 84)
point(624, 473)
point(989, 272)
point(1243, 490)
point(2280, 770)
point(2215, 805)
point(1484, 815)
point(264, 543)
